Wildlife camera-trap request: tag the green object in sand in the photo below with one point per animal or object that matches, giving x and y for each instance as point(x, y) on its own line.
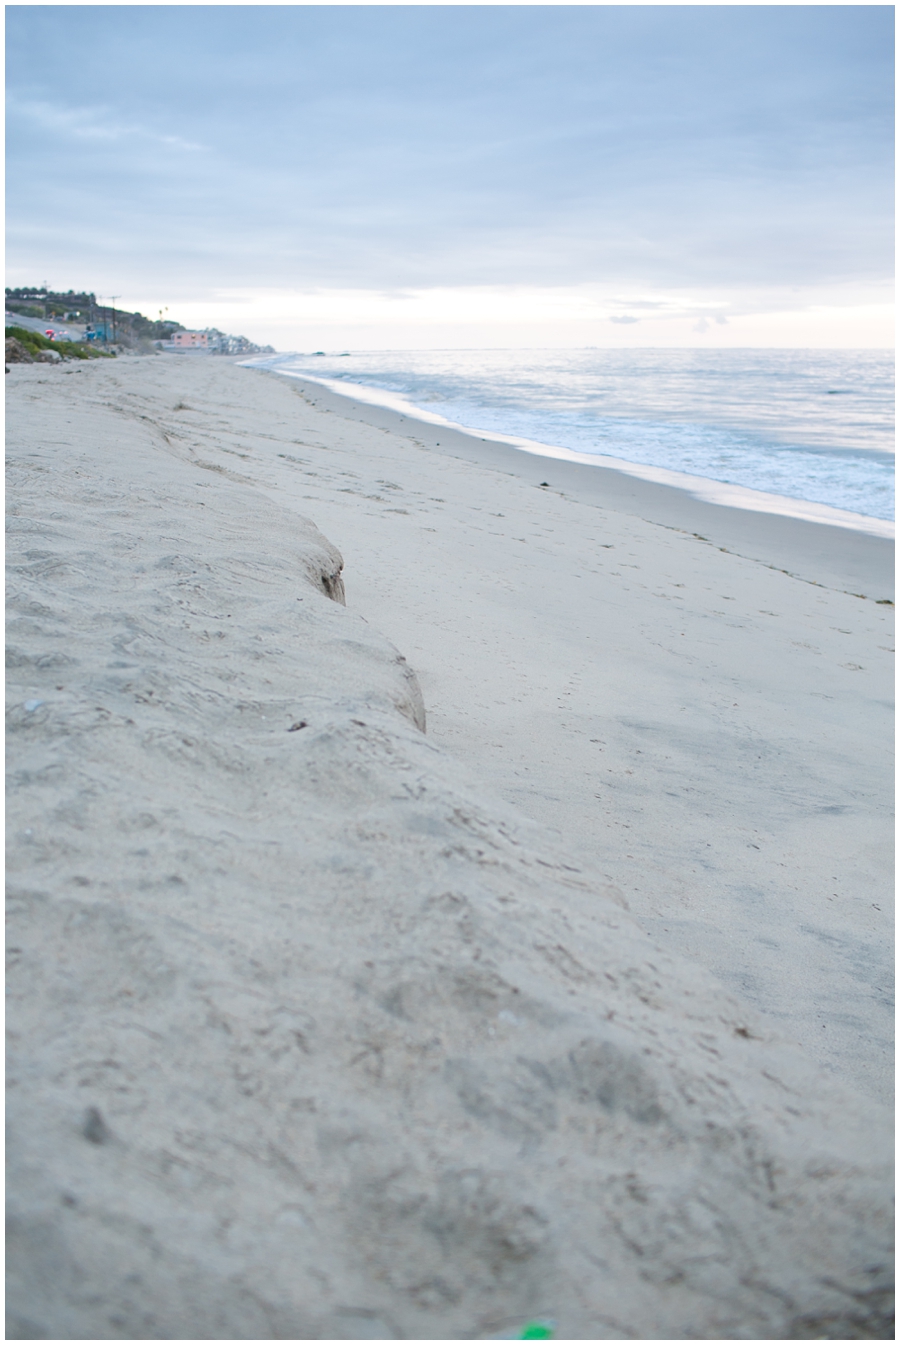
point(536, 1331)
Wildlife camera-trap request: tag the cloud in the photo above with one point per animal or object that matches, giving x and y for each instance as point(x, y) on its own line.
point(686, 160)
point(97, 123)
point(459, 318)
point(703, 322)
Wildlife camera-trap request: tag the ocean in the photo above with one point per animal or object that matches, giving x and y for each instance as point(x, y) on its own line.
point(811, 425)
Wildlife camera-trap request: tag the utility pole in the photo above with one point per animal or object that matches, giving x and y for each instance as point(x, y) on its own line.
point(114, 297)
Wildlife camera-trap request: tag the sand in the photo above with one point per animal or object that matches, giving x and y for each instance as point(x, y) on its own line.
point(714, 733)
point(325, 1026)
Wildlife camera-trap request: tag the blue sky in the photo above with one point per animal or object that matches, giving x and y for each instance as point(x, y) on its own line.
point(461, 175)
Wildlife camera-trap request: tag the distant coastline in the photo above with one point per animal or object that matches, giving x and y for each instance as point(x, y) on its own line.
point(79, 317)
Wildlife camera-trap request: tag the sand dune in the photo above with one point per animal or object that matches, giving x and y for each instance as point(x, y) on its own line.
point(315, 1033)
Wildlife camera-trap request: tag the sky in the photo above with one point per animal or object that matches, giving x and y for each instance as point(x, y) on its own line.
point(460, 176)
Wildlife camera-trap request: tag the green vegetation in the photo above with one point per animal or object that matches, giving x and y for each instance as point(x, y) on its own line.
point(39, 302)
point(68, 350)
point(130, 329)
point(26, 310)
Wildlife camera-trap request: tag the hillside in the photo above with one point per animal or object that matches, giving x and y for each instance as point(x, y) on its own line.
point(111, 326)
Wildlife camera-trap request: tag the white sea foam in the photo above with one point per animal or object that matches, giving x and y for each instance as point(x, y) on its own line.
point(806, 433)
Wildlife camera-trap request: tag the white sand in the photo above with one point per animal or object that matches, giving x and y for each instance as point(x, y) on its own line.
point(715, 734)
point(313, 1035)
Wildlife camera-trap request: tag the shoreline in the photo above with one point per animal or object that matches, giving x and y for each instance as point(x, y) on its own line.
point(819, 551)
point(704, 488)
point(566, 635)
point(325, 1027)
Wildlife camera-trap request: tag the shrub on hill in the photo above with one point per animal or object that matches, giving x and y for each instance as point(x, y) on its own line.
point(26, 310)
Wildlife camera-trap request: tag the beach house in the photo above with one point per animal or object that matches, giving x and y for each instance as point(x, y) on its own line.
point(190, 341)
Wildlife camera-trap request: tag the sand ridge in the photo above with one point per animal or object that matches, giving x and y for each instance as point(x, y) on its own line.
point(312, 1035)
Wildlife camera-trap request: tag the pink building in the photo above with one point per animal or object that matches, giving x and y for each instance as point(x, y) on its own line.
point(190, 340)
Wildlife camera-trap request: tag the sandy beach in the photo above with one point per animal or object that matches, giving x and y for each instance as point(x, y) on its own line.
point(450, 887)
point(698, 699)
